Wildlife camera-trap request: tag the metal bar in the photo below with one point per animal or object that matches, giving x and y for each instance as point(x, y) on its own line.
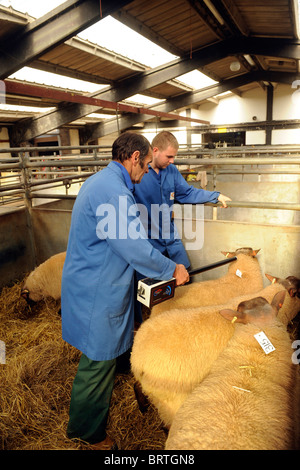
point(212, 266)
point(246, 172)
point(260, 205)
point(12, 166)
point(178, 161)
point(46, 148)
point(61, 163)
point(238, 161)
point(52, 196)
point(45, 92)
point(257, 205)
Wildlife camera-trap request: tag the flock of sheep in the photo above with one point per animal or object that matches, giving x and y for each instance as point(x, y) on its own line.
point(197, 358)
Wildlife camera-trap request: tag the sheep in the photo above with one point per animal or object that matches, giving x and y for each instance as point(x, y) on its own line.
point(174, 351)
point(45, 280)
point(248, 401)
point(243, 276)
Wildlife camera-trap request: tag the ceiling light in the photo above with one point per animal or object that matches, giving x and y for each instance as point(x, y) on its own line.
point(235, 66)
point(249, 59)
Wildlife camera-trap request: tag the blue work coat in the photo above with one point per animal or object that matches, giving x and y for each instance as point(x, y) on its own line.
point(168, 187)
point(97, 295)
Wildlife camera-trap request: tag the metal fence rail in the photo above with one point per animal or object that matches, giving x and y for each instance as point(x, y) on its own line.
point(28, 174)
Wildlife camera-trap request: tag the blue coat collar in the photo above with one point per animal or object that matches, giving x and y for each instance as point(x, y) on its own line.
point(125, 173)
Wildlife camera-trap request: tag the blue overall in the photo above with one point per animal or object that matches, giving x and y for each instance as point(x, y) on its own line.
point(97, 295)
point(169, 187)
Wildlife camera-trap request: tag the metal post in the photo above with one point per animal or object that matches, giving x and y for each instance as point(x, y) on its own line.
point(28, 204)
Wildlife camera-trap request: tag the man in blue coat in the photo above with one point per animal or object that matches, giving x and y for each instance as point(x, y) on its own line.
point(164, 185)
point(107, 243)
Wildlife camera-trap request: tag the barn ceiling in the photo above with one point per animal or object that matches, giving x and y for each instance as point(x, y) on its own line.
point(238, 43)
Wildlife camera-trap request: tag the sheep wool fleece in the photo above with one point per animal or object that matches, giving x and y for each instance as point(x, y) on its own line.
point(97, 294)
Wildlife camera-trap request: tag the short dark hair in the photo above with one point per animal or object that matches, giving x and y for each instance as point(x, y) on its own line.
point(127, 143)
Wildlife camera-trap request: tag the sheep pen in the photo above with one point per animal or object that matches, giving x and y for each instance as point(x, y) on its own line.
point(36, 383)
point(250, 399)
point(174, 351)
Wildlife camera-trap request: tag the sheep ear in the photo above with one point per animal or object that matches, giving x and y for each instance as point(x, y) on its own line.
point(271, 278)
point(25, 293)
point(228, 254)
point(254, 252)
point(278, 300)
point(292, 292)
point(231, 315)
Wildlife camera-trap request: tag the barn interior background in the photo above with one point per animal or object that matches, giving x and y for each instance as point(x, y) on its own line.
point(222, 75)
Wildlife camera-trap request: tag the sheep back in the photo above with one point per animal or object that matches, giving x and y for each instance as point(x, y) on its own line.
point(246, 402)
point(45, 280)
point(173, 352)
point(217, 291)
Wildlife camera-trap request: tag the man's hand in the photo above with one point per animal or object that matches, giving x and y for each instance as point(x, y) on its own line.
point(223, 199)
point(181, 275)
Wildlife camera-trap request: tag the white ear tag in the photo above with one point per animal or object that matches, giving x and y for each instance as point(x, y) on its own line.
point(238, 273)
point(264, 342)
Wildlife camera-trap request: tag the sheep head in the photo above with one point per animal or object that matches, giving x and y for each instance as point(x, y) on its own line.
point(256, 310)
point(291, 283)
point(246, 251)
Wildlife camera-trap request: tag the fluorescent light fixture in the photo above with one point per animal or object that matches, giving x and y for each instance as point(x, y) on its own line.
point(249, 59)
point(214, 11)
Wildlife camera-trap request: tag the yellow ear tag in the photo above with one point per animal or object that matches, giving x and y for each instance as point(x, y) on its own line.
point(234, 319)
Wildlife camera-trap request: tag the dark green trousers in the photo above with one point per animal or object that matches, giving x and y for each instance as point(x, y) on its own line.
point(90, 399)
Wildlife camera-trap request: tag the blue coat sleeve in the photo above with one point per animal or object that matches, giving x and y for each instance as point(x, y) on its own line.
point(185, 193)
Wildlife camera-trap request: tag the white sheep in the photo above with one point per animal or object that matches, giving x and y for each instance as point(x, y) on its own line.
point(45, 280)
point(243, 276)
point(249, 399)
point(174, 351)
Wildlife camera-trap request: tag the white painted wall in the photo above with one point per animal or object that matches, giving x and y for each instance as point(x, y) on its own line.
point(4, 142)
point(233, 109)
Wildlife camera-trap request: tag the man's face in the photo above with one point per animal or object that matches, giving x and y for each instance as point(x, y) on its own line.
point(139, 170)
point(163, 158)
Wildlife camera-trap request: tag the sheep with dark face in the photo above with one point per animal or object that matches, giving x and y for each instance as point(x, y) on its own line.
point(45, 280)
point(249, 399)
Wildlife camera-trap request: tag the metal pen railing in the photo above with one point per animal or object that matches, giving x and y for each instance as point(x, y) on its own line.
point(30, 175)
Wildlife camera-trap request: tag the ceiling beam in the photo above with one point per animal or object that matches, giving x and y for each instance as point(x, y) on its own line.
point(52, 29)
point(150, 78)
point(234, 13)
point(48, 93)
point(113, 125)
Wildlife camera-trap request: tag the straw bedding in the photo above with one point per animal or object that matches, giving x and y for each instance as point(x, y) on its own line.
point(36, 383)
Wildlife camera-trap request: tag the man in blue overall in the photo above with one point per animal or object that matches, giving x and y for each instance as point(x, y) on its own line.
point(106, 245)
point(164, 185)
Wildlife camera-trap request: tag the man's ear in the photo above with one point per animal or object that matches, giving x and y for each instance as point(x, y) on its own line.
point(135, 157)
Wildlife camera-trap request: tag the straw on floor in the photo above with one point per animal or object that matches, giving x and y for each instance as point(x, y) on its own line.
point(36, 383)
